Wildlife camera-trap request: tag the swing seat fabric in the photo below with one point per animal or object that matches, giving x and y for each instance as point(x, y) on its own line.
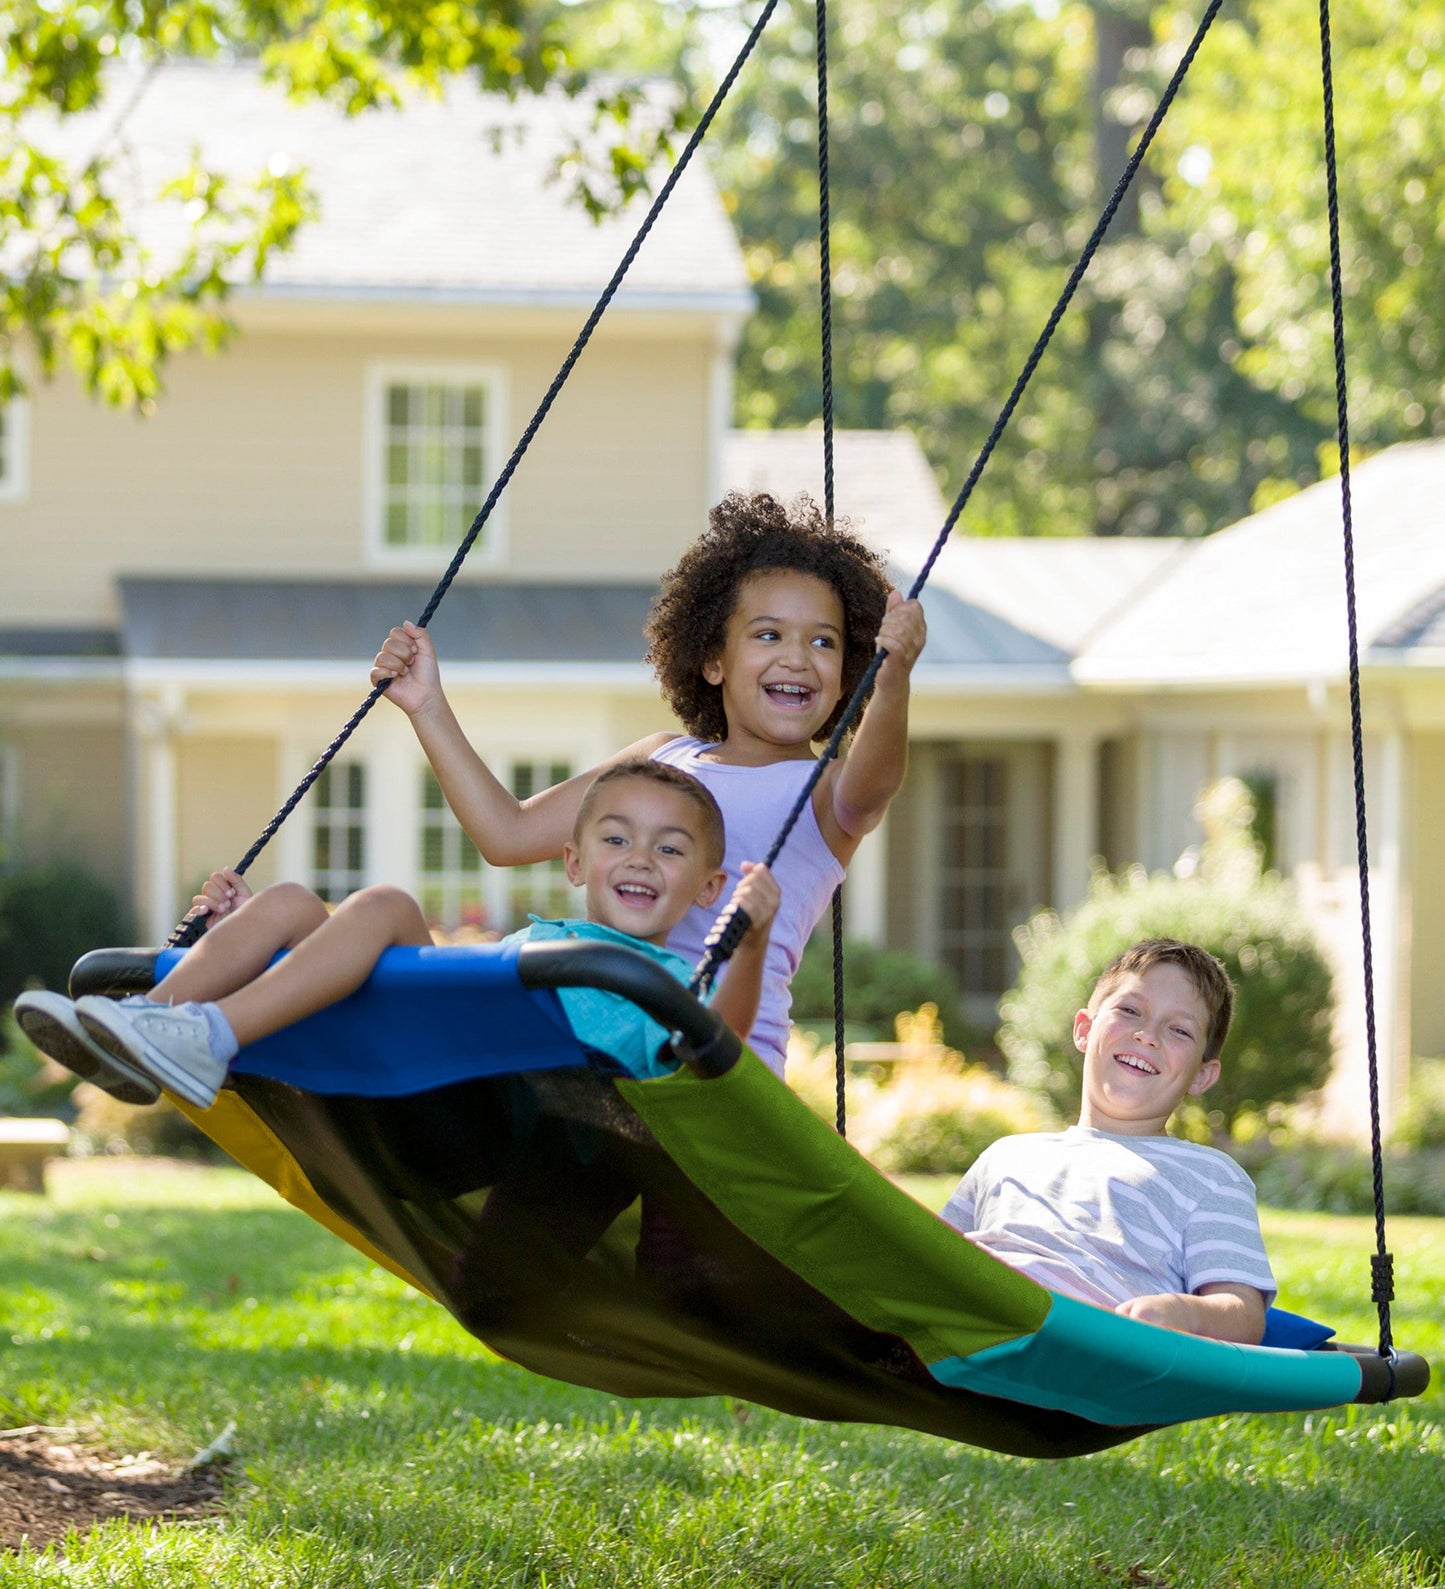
point(684, 1235)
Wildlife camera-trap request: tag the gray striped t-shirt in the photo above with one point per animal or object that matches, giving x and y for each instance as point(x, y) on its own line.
point(1105, 1218)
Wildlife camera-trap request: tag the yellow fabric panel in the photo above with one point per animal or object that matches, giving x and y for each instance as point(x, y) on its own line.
point(231, 1124)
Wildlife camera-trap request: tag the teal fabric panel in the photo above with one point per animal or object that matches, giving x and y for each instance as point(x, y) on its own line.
point(1114, 1370)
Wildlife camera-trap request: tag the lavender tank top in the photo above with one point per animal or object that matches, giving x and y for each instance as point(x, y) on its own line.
point(755, 801)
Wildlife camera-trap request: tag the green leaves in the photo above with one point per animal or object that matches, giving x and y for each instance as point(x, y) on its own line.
point(86, 278)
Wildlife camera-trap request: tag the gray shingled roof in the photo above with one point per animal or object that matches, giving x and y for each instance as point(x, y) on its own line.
point(341, 620)
point(1420, 630)
point(419, 202)
point(1265, 599)
point(884, 484)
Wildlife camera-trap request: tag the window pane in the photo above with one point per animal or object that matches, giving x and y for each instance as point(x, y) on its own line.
point(434, 463)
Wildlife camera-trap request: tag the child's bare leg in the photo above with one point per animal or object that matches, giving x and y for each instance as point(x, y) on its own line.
point(326, 964)
point(240, 947)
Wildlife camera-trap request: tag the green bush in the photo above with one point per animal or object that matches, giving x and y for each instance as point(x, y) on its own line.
point(1338, 1178)
point(49, 916)
point(1422, 1120)
point(29, 1084)
point(878, 984)
point(1280, 1044)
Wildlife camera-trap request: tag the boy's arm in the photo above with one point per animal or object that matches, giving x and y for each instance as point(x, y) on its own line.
point(507, 831)
point(868, 777)
point(741, 987)
point(1221, 1310)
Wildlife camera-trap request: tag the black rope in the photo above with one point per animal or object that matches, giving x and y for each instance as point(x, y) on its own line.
point(825, 305)
point(865, 684)
point(190, 928)
point(1382, 1288)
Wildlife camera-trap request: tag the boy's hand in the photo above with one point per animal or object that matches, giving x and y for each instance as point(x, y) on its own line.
point(408, 659)
point(224, 892)
point(759, 895)
point(1168, 1308)
point(901, 634)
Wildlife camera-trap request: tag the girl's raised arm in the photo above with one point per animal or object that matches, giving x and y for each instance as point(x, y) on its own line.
point(852, 801)
point(507, 831)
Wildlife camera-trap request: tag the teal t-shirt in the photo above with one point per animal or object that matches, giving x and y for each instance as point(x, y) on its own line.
point(607, 1021)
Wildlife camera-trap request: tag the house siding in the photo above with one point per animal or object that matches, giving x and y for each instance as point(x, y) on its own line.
point(256, 463)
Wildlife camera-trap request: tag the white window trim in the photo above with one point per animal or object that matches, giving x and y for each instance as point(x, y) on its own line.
point(15, 481)
point(431, 559)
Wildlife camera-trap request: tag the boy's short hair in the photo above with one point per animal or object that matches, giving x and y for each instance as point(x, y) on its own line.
point(1210, 979)
point(752, 532)
point(712, 834)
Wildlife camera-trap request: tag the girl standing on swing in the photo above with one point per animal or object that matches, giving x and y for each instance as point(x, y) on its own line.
point(758, 636)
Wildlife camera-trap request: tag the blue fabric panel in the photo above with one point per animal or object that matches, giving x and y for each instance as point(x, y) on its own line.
point(425, 1017)
point(1283, 1328)
point(1114, 1370)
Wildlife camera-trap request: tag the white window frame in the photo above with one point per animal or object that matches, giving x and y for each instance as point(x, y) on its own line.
point(380, 376)
point(528, 887)
point(354, 821)
point(15, 451)
point(458, 880)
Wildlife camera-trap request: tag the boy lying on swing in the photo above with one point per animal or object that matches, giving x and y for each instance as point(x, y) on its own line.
point(1114, 1211)
point(647, 846)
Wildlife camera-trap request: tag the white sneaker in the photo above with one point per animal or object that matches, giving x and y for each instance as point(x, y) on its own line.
point(169, 1042)
point(50, 1022)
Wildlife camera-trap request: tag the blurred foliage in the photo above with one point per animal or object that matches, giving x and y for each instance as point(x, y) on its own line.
point(50, 915)
point(972, 148)
point(1279, 1046)
point(878, 984)
point(81, 287)
point(30, 1084)
point(926, 1112)
point(1422, 1119)
point(1329, 1177)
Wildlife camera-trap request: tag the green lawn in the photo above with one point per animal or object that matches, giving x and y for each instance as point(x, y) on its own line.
point(381, 1447)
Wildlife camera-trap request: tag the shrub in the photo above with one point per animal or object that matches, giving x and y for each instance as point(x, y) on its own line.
point(30, 1084)
point(1309, 1175)
point(879, 984)
point(1280, 1045)
point(49, 916)
point(1422, 1120)
point(932, 1114)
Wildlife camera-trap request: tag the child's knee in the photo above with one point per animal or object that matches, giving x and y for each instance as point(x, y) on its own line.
point(384, 901)
point(294, 904)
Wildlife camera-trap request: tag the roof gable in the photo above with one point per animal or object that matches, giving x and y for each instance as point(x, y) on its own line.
point(449, 196)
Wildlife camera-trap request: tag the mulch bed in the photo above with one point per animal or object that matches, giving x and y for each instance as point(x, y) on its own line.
point(51, 1484)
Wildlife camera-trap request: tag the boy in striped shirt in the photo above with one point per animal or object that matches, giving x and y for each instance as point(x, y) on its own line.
point(1114, 1211)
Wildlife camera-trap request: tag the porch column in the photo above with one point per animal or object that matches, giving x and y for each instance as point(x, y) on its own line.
point(159, 814)
point(1076, 815)
point(865, 894)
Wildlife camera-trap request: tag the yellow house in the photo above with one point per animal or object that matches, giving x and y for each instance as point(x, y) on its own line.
point(191, 601)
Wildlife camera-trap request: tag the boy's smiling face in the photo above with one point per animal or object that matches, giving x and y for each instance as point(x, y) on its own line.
point(642, 859)
point(1143, 1047)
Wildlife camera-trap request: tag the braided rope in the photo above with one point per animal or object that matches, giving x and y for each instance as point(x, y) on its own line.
point(190, 928)
point(1381, 1267)
point(825, 305)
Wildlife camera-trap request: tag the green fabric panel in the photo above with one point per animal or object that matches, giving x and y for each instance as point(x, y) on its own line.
point(793, 1185)
point(1114, 1370)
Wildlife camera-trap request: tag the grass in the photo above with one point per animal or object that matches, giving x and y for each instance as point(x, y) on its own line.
point(379, 1446)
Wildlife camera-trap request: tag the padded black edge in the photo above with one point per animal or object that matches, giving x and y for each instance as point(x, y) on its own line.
point(114, 972)
point(1386, 1379)
point(708, 1046)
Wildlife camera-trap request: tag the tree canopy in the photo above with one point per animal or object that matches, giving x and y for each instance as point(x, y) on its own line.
point(78, 284)
point(972, 149)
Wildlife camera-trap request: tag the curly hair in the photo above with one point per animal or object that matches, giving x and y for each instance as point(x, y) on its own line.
point(753, 533)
